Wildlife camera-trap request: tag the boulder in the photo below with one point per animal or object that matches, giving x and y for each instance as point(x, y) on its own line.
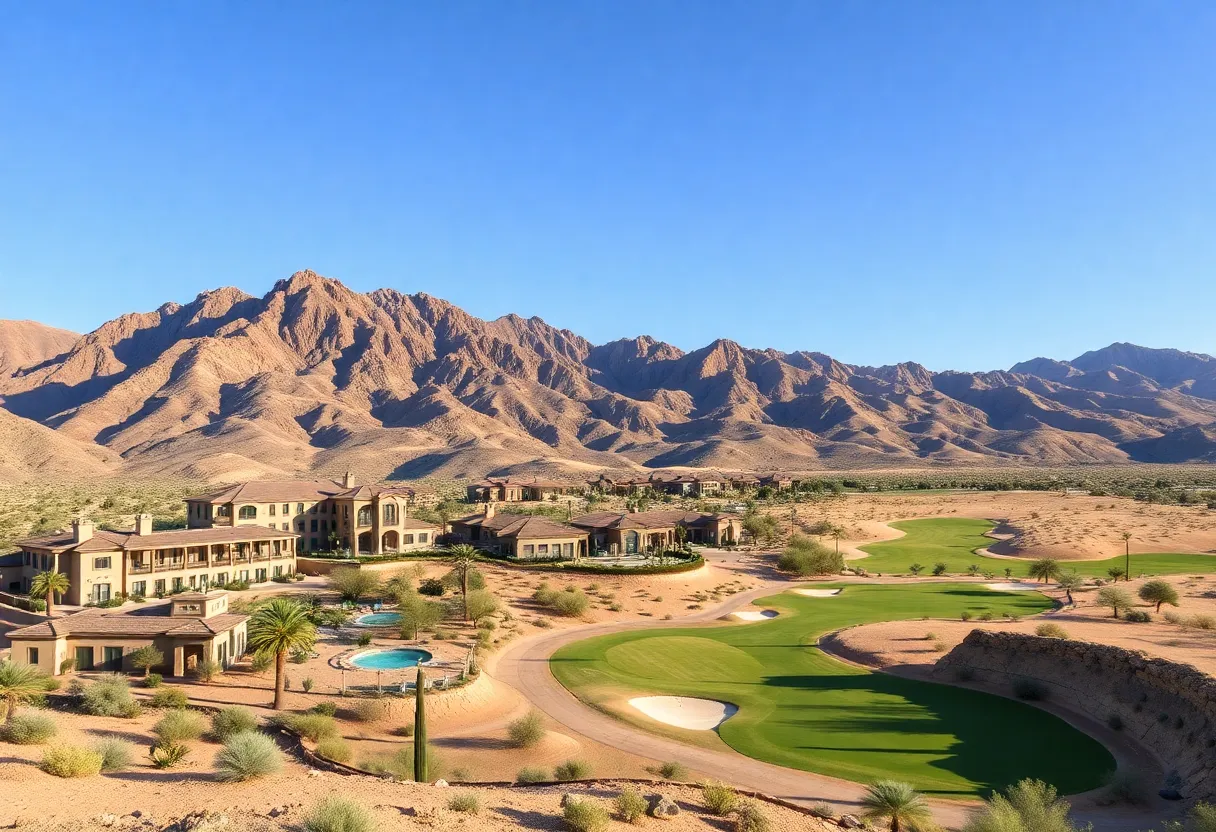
point(848, 822)
point(662, 806)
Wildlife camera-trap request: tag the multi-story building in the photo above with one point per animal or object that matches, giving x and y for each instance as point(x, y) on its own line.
point(522, 536)
point(327, 515)
point(102, 564)
point(631, 533)
point(518, 491)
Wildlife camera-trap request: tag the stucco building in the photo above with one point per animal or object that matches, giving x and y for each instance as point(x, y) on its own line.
point(506, 490)
point(631, 533)
point(522, 536)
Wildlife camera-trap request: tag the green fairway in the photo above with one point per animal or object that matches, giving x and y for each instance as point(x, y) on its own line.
point(800, 708)
point(953, 541)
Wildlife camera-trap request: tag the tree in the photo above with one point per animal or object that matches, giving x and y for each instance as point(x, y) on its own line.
point(1159, 592)
point(353, 583)
point(1070, 582)
point(147, 657)
point(464, 560)
point(805, 557)
point(420, 755)
point(479, 604)
point(417, 614)
point(1127, 554)
point(1027, 806)
point(1116, 572)
point(278, 628)
point(898, 804)
point(48, 585)
point(19, 683)
point(1044, 569)
point(1115, 597)
point(837, 533)
point(763, 528)
point(916, 569)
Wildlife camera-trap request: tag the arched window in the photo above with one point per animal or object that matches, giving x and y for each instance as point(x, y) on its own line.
point(390, 513)
point(365, 516)
point(249, 512)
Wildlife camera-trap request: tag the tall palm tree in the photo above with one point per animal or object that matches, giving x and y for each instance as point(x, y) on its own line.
point(464, 560)
point(277, 628)
point(19, 683)
point(1127, 555)
point(48, 585)
point(898, 804)
point(837, 533)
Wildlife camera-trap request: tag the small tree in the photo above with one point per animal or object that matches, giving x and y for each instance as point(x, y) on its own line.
point(1116, 572)
point(1159, 592)
point(480, 604)
point(353, 583)
point(276, 629)
point(146, 658)
point(1070, 582)
point(19, 683)
point(1115, 597)
point(916, 569)
point(898, 804)
point(464, 560)
point(1045, 569)
point(420, 755)
point(417, 614)
point(48, 585)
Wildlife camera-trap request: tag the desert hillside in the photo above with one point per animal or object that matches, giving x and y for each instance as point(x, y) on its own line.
point(314, 376)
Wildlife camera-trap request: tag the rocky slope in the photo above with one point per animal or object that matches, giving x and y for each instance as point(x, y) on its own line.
point(314, 376)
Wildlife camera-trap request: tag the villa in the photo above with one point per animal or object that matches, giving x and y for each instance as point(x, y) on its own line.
point(326, 514)
point(523, 536)
point(190, 628)
point(631, 533)
point(519, 491)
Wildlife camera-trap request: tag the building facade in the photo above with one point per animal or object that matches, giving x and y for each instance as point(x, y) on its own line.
point(521, 536)
point(638, 532)
point(519, 491)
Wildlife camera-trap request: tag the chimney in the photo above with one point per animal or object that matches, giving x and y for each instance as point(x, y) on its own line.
point(487, 508)
point(348, 480)
point(143, 524)
point(82, 530)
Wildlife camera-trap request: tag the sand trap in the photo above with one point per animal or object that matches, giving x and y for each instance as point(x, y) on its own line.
point(754, 615)
point(1011, 586)
point(685, 711)
point(816, 593)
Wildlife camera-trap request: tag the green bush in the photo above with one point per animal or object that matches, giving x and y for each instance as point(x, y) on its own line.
point(466, 802)
point(630, 805)
point(373, 710)
point(571, 602)
point(153, 680)
point(1050, 630)
point(805, 557)
point(431, 586)
point(585, 816)
point(1137, 616)
point(231, 721)
point(337, 814)
point(169, 697)
point(399, 765)
point(110, 695)
point(312, 727)
point(527, 731)
point(207, 670)
point(179, 726)
point(749, 817)
point(326, 708)
point(572, 770)
point(71, 761)
point(334, 748)
point(28, 729)
point(673, 770)
point(532, 775)
point(168, 755)
point(247, 756)
point(719, 798)
point(116, 755)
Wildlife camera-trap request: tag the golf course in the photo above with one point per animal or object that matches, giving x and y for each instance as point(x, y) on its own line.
point(954, 541)
point(799, 707)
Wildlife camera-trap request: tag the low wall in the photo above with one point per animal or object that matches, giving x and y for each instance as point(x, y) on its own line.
point(1169, 708)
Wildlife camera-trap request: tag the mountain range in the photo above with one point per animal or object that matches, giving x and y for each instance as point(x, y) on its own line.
point(315, 377)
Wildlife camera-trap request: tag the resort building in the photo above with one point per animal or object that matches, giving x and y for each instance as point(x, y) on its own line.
point(102, 564)
point(326, 514)
point(688, 485)
point(633, 533)
point(779, 482)
point(519, 491)
point(522, 536)
point(190, 628)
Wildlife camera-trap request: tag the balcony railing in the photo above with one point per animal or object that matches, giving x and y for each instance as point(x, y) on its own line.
point(140, 568)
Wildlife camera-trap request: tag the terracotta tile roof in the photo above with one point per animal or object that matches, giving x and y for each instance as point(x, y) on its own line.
point(521, 526)
point(270, 491)
point(145, 622)
point(61, 541)
point(368, 492)
point(106, 541)
point(644, 519)
point(414, 523)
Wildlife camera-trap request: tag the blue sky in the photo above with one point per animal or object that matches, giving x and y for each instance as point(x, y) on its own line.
point(965, 184)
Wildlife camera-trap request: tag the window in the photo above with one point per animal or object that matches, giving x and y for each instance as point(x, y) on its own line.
point(390, 513)
point(542, 549)
point(33, 656)
point(160, 586)
point(260, 575)
point(84, 658)
point(101, 592)
point(286, 509)
point(249, 512)
point(139, 588)
point(312, 543)
point(422, 537)
point(299, 508)
point(527, 548)
point(324, 525)
point(101, 563)
point(313, 525)
point(272, 509)
point(365, 516)
point(223, 511)
point(568, 549)
point(278, 571)
point(286, 527)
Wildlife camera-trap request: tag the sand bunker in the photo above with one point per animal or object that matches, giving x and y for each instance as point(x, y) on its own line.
point(754, 615)
point(816, 593)
point(1011, 586)
point(685, 711)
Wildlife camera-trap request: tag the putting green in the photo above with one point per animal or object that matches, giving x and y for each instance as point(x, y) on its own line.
point(799, 707)
point(954, 540)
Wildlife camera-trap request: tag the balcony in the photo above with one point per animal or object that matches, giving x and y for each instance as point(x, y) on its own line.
point(196, 564)
point(170, 563)
point(139, 568)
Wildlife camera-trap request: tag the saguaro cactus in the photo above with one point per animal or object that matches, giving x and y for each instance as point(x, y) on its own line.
point(420, 756)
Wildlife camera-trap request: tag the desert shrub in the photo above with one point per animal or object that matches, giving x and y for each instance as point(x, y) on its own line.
point(1031, 690)
point(207, 670)
point(307, 684)
point(532, 775)
point(247, 756)
point(585, 816)
point(719, 798)
point(169, 697)
point(153, 680)
point(234, 720)
point(481, 604)
point(406, 730)
point(630, 805)
point(108, 696)
point(364, 639)
point(749, 817)
point(399, 765)
point(465, 802)
point(805, 557)
point(1202, 622)
point(179, 726)
point(939, 569)
point(673, 770)
point(1128, 787)
point(28, 729)
point(353, 584)
point(823, 811)
point(431, 586)
point(376, 709)
point(325, 708)
point(1050, 630)
point(571, 602)
point(337, 814)
point(1137, 616)
point(527, 731)
point(116, 755)
point(261, 662)
point(1202, 817)
point(966, 615)
point(71, 761)
point(572, 770)
point(334, 748)
point(313, 727)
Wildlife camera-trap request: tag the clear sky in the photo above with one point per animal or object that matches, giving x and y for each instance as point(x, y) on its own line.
point(965, 184)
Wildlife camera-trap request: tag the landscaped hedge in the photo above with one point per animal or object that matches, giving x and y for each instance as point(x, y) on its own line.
point(421, 554)
point(695, 562)
point(585, 566)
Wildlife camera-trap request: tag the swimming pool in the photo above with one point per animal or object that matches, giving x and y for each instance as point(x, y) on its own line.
point(392, 659)
point(379, 619)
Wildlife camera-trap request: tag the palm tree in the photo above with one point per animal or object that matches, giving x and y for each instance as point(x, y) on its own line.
point(837, 533)
point(18, 683)
point(277, 628)
point(48, 585)
point(1127, 555)
point(897, 803)
point(464, 560)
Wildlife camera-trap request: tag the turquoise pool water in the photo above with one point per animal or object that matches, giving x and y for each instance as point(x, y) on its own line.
point(379, 619)
point(394, 659)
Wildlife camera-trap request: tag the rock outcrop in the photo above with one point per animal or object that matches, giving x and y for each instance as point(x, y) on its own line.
point(1169, 708)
